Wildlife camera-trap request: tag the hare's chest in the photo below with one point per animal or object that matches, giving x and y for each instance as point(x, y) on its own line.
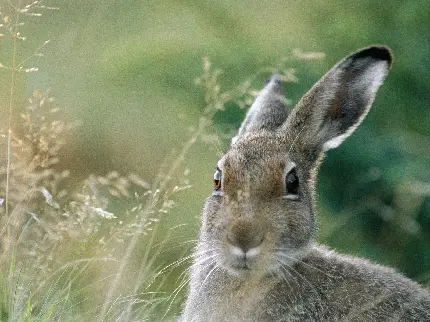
point(237, 302)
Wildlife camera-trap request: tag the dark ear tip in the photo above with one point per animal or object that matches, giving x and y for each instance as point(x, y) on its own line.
point(375, 52)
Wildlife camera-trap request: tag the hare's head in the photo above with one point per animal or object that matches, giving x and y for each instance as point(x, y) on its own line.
point(261, 214)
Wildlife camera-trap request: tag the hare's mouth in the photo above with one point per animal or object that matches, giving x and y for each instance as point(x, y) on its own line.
point(239, 261)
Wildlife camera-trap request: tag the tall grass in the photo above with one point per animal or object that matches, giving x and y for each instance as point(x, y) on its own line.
point(46, 230)
point(68, 253)
point(100, 249)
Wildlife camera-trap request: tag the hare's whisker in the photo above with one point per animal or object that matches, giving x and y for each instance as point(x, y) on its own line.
point(200, 253)
point(202, 260)
point(175, 264)
point(175, 294)
point(280, 253)
point(285, 268)
point(206, 278)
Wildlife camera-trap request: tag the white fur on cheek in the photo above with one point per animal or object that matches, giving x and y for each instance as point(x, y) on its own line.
point(237, 251)
point(252, 252)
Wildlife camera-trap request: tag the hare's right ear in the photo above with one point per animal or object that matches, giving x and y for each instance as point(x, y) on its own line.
point(269, 110)
point(333, 108)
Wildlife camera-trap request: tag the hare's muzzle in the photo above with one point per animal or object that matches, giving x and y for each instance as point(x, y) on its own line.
point(244, 238)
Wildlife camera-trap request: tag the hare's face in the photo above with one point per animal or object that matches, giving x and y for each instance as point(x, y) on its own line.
point(261, 216)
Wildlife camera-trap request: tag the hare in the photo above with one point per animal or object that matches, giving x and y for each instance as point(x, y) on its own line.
point(257, 258)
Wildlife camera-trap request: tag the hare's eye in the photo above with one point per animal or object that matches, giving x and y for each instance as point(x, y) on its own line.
point(217, 179)
point(292, 183)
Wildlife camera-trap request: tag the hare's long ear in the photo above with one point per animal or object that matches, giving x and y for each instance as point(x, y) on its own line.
point(333, 108)
point(269, 110)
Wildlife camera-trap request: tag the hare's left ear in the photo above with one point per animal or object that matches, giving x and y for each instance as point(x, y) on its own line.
point(333, 108)
point(269, 110)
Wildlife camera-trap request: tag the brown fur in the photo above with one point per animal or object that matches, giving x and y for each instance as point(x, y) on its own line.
point(257, 258)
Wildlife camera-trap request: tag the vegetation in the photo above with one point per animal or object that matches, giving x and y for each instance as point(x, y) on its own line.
point(84, 237)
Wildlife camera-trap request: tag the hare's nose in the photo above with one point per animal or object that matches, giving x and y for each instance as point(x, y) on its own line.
point(245, 235)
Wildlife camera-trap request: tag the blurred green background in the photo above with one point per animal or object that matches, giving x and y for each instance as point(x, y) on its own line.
point(126, 70)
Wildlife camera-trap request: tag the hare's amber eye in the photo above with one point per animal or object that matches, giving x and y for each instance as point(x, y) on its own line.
point(217, 179)
point(292, 182)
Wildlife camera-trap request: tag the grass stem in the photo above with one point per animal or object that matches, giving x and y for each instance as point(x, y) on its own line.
point(11, 100)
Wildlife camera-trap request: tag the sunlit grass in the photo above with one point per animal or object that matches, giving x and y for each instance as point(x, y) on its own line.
point(114, 246)
point(47, 230)
point(65, 248)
